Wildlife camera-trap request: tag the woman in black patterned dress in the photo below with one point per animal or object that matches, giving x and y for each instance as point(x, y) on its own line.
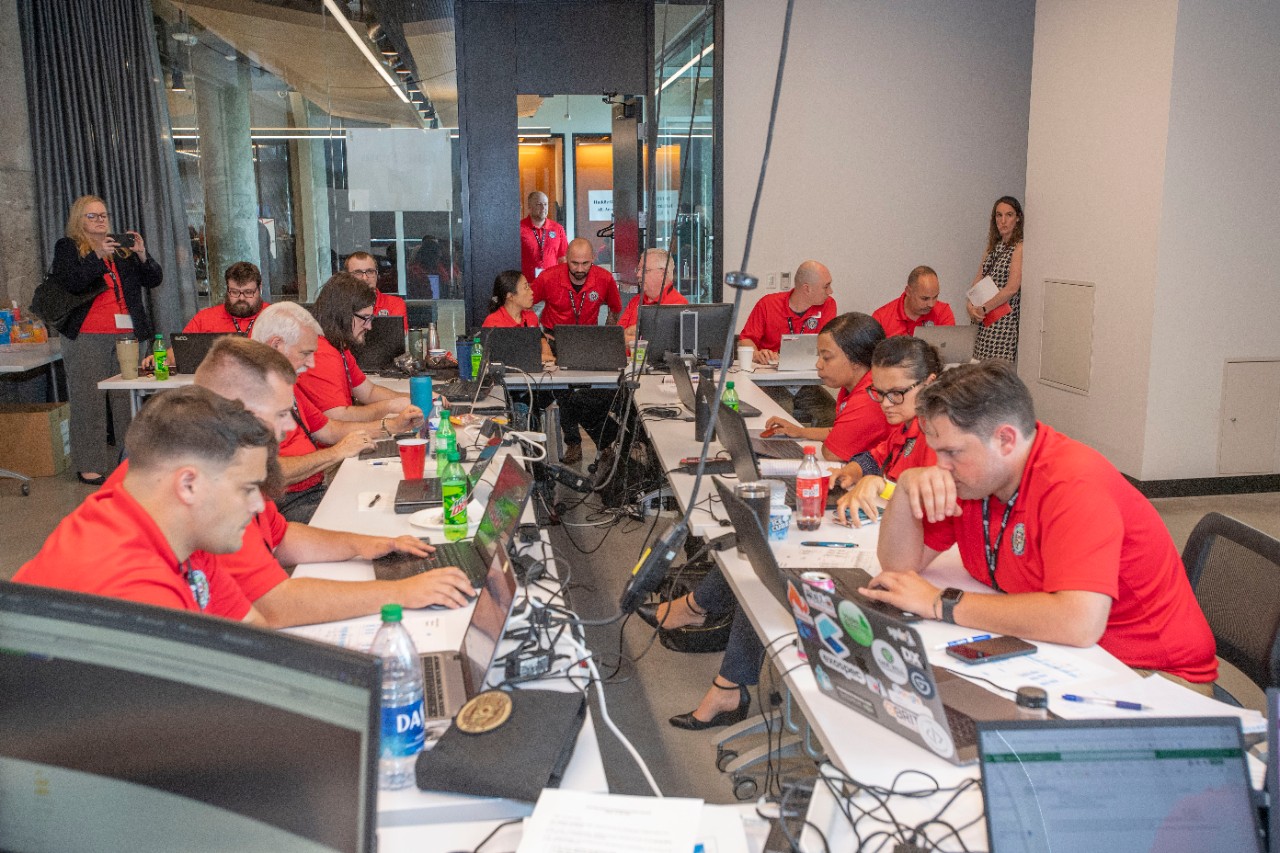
point(1003, 262)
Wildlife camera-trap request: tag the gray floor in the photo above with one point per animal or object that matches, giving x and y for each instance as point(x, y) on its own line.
point(644, 693)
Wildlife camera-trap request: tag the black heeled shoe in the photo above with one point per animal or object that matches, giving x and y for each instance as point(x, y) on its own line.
point(648, 614)
point(96, 480)
point(725, 718)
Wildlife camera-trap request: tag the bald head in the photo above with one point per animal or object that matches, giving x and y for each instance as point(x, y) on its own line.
point(537, 204)
point(922, 292)
point(812, 285)
point(579, 257)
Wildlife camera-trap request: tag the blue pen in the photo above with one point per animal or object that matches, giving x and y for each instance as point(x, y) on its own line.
point(1110, 703)
point(976, 638)
point(829, 544)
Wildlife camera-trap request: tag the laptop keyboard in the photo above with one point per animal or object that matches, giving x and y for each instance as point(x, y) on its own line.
point(457, 389)
point(463, 555)
point(777, 448)
point(964, 732)
point(432, 687)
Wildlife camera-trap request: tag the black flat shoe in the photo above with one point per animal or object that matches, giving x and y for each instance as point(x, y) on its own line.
point(91, 481)
point(725, 718)
point(648, 614)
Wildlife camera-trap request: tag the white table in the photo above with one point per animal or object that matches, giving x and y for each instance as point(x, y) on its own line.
point(25, 357)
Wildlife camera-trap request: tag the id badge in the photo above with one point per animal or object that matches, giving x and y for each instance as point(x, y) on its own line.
point(537, 271)
point(124, 321)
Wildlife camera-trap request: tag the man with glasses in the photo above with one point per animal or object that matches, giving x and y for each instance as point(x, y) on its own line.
point(240, 310)
point(364, 266)
point(543, 243)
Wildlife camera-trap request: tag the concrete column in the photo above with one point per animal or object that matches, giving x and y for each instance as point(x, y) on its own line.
point(21, 252)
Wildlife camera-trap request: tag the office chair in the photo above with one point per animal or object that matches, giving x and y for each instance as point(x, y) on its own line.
point(1235, 572)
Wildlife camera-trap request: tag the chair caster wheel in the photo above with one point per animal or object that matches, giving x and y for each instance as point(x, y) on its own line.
point(724, 757)
point(26, 489)
point(745, 788)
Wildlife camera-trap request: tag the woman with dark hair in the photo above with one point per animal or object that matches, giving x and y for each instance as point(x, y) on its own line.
point(844, 361)
point(511, 306)
point(900, 369)
point(89, 259)
point(336, 385)
point(999, 315)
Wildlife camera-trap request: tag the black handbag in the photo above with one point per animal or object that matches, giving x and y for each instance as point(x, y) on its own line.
point(56, 305)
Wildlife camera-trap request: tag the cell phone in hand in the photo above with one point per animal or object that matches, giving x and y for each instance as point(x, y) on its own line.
point(125, 240)
point(987, 651)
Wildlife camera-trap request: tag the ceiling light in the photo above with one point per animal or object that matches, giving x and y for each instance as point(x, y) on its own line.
point(364, 48)
point(683, 68)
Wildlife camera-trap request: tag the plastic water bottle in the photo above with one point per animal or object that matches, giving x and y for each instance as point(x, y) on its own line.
point(162, 359)
point(402, 733)
point(453, 489)
point(730, 397)
point(810, 497)
point(477, 357)
point(446, 442)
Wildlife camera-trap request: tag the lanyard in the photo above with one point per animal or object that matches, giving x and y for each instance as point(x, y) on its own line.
point(297, 417)
point(346, 368)
point(113, 276)
point(539, 234)
point(896, 453)
point(791, 326)
point(249, 331)
point(993, 553)
point(574, 306)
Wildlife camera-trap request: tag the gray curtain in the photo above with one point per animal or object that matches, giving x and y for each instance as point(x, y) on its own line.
point(100, 126)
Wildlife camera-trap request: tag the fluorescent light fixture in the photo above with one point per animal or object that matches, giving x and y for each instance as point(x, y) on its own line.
point(257, 137)
point(338, 16)
point(683, 69)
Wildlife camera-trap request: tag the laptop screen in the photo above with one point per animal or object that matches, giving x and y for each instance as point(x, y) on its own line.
point(731, 429)
point(502, 513)
point(1151, 784)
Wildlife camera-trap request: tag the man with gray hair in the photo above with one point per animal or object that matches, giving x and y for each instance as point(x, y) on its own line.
point(656, 274)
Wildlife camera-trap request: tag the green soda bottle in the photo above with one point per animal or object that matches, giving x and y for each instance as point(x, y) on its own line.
point(453, 488)
point(477, 357)
point(162, 359)
point(446, 442)
point(730, 397)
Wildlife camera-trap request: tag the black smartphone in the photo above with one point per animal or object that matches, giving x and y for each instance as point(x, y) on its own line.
point(986, 651)
point(125, 240)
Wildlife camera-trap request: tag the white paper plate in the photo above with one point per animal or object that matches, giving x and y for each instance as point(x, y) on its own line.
point(433, 519)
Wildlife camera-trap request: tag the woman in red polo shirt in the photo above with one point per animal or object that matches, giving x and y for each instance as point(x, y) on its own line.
point(845, 348)
point(900, 367)
point(511, 307)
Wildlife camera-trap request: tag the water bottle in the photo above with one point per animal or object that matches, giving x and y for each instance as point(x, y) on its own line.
point(453, 488)
point(477, 356)
point(446, 436)
point(433, 338)
point(162, 359)
point(730, 397)
point(402, 733)
point(810, 498)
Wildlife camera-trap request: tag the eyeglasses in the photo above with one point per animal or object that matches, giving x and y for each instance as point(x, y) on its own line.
point(238, 293)
point(364, 273)
point(367, 319)
point(894, 396)
point(96, 217)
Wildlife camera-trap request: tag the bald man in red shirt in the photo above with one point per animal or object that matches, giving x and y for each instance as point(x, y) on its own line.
point(803, 310)
point(917, 306)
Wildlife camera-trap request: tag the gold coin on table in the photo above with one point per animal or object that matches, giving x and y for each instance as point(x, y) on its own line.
point(484, 713)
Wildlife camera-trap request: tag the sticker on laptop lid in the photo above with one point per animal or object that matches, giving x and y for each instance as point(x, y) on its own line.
point(845, 668)
point(936, 736)
point(855, 623)
point(889, 661)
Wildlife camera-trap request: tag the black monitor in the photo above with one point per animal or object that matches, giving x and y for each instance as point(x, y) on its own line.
point(699, 330)
point(130, 727)
point(421, 312)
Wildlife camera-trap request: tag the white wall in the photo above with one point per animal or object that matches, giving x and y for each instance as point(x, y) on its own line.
point(1095, 173)
point(899, 125)
point(1216, 293)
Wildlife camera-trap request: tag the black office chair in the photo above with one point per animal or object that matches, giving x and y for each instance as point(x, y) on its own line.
point(1235, 572)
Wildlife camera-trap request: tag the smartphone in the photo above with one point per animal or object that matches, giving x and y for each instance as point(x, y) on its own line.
point(986, 651)
point(125, 240)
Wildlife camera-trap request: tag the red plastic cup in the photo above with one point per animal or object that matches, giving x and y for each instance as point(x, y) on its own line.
point(413, 457)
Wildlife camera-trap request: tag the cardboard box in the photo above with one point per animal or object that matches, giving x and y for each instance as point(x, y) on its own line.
point(35, 438)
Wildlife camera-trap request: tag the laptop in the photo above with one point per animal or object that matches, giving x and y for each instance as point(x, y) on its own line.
point(590, 347)
point(425, 493)
point(1145, 783)
point(753, 540)
point(474, 556)
point(450, 679)
point(732, 431)
point(519, 348)
point(954, 343)
point(190, 348)
point(776, 447)
point(382, 343)
point(688, 395)
point(798, 352)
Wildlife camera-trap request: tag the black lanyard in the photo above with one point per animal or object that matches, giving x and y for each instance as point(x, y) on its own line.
point(346, 368)
point(993, 553)
point(893, 457)
point(297, 417)
point(573, 304)
point(540, 235)
point(791, 327)
point(246, 332)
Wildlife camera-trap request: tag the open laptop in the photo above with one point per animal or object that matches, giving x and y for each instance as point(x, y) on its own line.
point(519, 348)
point(1145, 783)
point(590, 347)
point(954, 343)
point(190, 348)
point(474, 556)
point(382, 343)
point(688, 395)
point(414, 495)
point(451, 678)
point(798, 352)
point(732, 432)
point(755, 543)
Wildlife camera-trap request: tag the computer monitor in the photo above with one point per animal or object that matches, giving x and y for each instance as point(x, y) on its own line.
point(697, 329)
point(130, 727)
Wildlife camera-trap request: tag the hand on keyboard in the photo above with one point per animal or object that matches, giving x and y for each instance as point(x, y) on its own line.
point(448, 587)
point(373, 547)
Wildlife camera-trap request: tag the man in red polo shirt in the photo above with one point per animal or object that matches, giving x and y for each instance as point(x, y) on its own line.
point(189, 490)
point(543, 243)
point(803, 310)
point(656, 274)
point(240, 310)
point(364, 266)
point(917, 306)
point(1082, 557)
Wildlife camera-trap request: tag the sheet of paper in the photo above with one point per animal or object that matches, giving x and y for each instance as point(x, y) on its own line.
point(721, 830)
point(577, 822)
point(982, 291)
point(778, 467)
point(1054, 668)
point(1161, 698)
point(357, 634)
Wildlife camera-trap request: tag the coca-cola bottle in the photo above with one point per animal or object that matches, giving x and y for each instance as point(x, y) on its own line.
point(810, 498)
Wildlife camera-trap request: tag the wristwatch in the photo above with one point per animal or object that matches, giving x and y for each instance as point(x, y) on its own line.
point(950, 598)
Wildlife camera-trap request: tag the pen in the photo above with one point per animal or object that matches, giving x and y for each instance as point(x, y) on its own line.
point(376, 498)
point(1110, 703)
point(378, 463)
point(829, 544)
point(976, 638)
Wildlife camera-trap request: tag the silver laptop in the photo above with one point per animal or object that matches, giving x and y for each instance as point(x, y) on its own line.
point(954, 343)
point(798, 352)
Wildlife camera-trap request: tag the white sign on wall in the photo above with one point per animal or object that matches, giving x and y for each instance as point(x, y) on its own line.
point(601, 204)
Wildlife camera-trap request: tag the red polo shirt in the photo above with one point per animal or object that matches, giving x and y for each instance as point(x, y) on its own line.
point(218, 319)
point(904, 447)
point(669, 296)
point(299, 443)
point(328, 385)
point(387, 305)
point(110, 546)
point(501, 319)
point(894, 320)
point(860, 423)
point(541, 248)
point(565, 305)
point(1077, 524)
point(255, 567)
point(772, 317)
